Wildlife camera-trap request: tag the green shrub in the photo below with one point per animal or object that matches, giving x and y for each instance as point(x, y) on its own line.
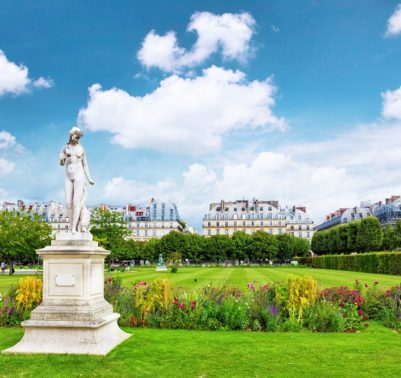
point(324, 317)
point(373, 262)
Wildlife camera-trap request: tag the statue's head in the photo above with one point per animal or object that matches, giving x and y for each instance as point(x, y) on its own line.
point(75, 134)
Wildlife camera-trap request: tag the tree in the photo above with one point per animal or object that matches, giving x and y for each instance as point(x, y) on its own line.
point(263, 246)
point(301, 247)
point(241, 246)
point(217, 248)
point(352, 236)
point(193, 247)
point(174, 241)
point(109, 229)
point(342, 242)
point(21, 234)
point(390, 239)
point(370, 235)
point(285, 247)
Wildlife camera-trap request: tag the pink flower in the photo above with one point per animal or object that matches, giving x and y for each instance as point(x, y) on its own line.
point(182, 305)
point(360, 312)
point(250, 286)
point(176, 301)
point(193, 305)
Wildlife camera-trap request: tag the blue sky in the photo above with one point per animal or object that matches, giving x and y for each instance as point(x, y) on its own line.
point(196, 102)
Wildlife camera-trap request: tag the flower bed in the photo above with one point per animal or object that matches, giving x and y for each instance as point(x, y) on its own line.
point(280, 306)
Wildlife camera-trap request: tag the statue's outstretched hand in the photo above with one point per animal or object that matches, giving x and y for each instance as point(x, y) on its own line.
point(91, 182)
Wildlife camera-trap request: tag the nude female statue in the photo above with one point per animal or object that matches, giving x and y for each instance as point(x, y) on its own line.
point(77, 172)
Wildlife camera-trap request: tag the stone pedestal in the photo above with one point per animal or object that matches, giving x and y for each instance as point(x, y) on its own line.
point(73, 317)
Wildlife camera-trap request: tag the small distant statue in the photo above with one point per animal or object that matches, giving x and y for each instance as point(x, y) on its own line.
point(73, 156)
point(161, 265)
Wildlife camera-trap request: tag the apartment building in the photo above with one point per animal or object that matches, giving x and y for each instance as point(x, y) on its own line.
point(227, 217)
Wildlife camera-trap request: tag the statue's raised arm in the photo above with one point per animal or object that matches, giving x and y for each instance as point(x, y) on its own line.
point(73, 156)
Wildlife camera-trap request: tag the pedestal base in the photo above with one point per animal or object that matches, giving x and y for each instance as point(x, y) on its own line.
point(97, 338)
point(74, 317)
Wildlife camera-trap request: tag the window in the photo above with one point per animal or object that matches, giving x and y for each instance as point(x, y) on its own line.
point(209, 232)
point(308, 234)
point(299, 227)
point(137, 232)
point(252, 209)
point(235, 224)
point(260, 208)
point(279, 223)
point(208, 224)
point(261, 223)
point(280, 231)
point(218, 209)
point(235, 209)
point(171, 225)
point(226, 209)
point(217, 224)
point(243, 209)
point(252, 224)
point(217, 232)
point(154, 232)
point(226, 224)
point(226, 232)
point(146, 232)
point(244, 224)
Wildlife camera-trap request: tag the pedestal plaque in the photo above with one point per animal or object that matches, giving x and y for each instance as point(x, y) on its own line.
point(73, 317)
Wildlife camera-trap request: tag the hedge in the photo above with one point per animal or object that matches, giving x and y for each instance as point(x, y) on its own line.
point(373, 262)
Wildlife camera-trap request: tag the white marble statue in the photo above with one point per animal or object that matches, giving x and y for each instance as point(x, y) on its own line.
point(77, 173)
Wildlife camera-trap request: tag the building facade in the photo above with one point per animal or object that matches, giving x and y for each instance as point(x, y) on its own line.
point(153, 220)
point(51, 212)
point(387, 212)
point(225, 218)
point(145, 222)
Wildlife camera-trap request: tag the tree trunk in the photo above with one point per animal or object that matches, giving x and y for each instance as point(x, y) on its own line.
point(11, 267)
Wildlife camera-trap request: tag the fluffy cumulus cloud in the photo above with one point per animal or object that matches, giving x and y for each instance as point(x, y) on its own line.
point(394, 23)
point(14, 78)
point(6, 166)
point(392, 104)
point(362, 164)
point(228, 33)
point(6, 140)
point(185, 115)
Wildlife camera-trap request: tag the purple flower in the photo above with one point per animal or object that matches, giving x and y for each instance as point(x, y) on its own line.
point(273, 310)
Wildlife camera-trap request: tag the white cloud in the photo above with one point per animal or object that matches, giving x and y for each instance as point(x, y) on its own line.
point(6, 140)
point(14, 78)
point(274, 28)
point(6, 166)
point(392, 104)
point(183, 115)
point(394, 23)
point(43, 83)
point(358, 165)
point(229, 33)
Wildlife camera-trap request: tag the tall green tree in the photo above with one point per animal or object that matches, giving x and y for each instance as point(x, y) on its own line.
point(241, 246)
point(285, 247)
point(263, 246)
point(390, 239)
point(109, 228)
point(370, 235)
point(21, 234)
point(301, 247)
point(352, 242)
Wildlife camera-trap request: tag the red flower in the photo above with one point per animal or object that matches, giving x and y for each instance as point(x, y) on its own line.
point(176, 301)
point(193, 305)
point(182, 305)
point(360, 312)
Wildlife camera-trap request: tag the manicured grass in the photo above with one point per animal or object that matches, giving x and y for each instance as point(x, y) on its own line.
point(240, 276)
point(374, 352)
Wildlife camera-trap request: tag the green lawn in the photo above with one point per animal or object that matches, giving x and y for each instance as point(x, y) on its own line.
point(240, 276)
point(178, 353)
